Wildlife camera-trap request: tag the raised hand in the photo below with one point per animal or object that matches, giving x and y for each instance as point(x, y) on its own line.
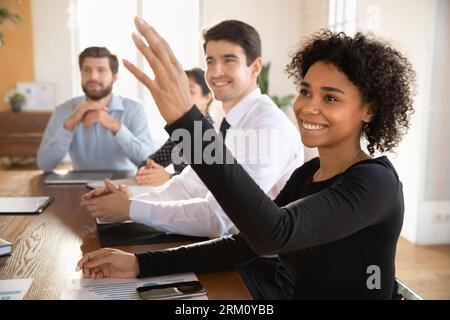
point(170, 88)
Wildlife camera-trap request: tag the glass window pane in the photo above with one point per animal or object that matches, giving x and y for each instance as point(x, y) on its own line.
point(109, 23)
point(338, 28)
point(339, 11)
point(350, 10)
point(332, 13)
point(350, 28)
point(179, 23)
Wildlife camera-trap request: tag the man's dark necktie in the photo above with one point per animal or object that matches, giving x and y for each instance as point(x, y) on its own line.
point(223, 128)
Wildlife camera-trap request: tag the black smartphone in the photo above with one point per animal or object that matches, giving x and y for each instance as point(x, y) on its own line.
point(177, 290)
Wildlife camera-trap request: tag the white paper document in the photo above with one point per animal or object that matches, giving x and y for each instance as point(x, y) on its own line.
point(131, 183)
point(14, 289)
point(119, 289)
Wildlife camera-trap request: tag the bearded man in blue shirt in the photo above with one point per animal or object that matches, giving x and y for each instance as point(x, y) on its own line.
point(100, 130)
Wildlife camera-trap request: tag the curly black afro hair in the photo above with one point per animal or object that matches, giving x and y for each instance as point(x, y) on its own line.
point(383, 75)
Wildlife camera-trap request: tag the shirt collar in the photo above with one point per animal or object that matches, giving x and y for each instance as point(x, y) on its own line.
point(242, 107)
point(115, 104)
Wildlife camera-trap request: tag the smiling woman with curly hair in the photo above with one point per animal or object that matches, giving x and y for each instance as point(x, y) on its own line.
point(336, 223)
point(384, 77)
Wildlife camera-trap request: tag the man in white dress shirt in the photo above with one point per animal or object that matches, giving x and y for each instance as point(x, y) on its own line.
point(255, 130)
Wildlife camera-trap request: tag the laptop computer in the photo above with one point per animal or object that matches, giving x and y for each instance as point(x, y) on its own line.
point(24, 205)
point(76, 177)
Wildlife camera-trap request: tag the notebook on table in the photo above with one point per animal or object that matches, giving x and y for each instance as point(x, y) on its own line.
point(5, 247)
point(24, 205)
point(76, 177)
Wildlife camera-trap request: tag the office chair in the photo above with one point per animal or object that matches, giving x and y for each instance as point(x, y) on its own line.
point(403, 292)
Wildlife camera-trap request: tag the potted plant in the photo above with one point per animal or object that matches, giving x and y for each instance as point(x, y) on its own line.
point(16, 100)
point(284, 102)
point(5, 14)
point(281, 102)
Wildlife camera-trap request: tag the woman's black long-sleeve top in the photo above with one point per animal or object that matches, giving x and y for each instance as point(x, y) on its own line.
point(338, 237)
point(163, 156)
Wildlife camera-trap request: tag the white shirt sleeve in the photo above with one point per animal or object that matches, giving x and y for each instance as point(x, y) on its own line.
point(201, 215)
point(135, 139)
point(272, 159)
point(55, 143)
point(186, 185)
point(195, 217)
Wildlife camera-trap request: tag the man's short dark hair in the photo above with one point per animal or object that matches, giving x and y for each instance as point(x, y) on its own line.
point(237, 32)
point(99, 52)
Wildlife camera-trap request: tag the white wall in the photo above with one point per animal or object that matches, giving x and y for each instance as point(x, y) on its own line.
point(52, 46)
point(409, 24)
point(313, 16)
point(434, 210)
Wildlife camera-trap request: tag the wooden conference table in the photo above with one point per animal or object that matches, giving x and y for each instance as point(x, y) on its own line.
point(46, 247)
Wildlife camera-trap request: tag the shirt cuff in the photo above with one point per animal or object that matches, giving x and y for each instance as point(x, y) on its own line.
point(140, 212)
point(144, 266)
point(186, 120)
point(123, 136)
point(152, 263)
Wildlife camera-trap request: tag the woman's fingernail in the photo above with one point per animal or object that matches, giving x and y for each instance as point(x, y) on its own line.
point(141, 21)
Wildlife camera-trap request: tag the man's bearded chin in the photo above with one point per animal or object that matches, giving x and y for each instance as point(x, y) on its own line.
point(97, 95)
